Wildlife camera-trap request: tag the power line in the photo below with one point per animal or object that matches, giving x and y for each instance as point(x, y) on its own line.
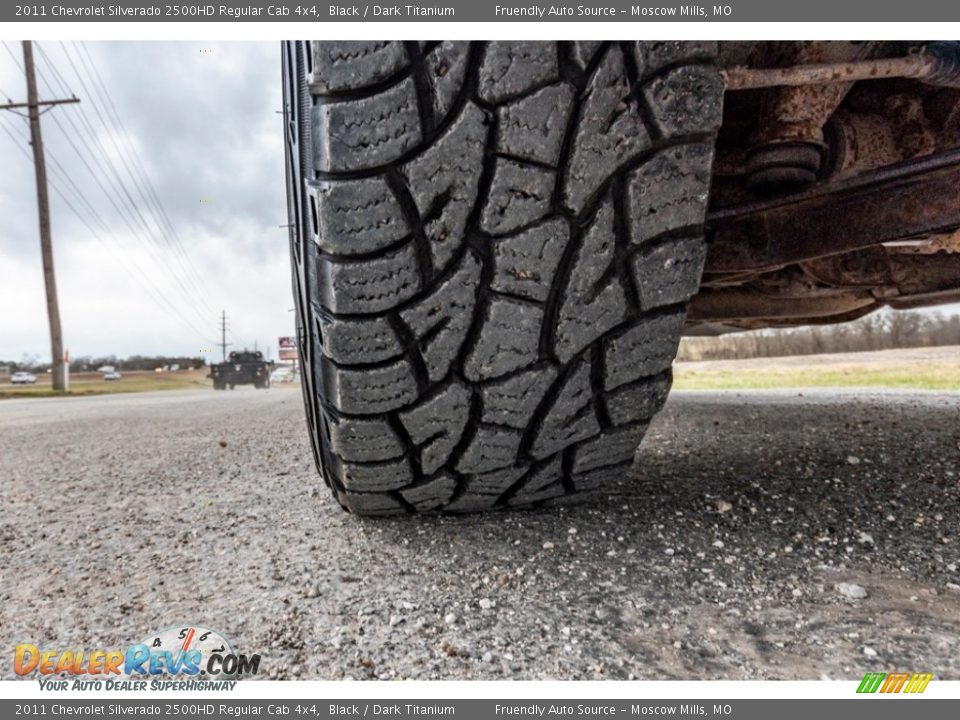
point(112, 136)
point(127, 208)
point(12, 56)
point(151, 193)
point(111, 196)
point(131, 214)
point(157, 295)
point(95, 157)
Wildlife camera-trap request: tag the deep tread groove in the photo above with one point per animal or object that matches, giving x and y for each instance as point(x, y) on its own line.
point(413, 354)
point(398, 186)
point(578, 401)
point(596, 384)
point(621, 236)
point(424, 92)
point(552, 312)
point(414, 452)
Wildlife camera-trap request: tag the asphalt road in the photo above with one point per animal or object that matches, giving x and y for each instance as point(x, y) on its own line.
point(762, 535)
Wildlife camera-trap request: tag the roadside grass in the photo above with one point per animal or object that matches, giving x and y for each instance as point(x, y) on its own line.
point(914, 376)
point(86, 384)
point(933, 375)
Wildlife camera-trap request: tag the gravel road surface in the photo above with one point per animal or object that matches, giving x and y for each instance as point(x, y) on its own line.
point(762, 535)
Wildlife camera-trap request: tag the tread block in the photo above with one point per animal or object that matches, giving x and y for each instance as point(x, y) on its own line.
point(366, 133)
point(436, 425)
point(583, 51)
point(443, 182)
point(495, 482)
point(513, 401)
point(371, 503)
point(611, 448)
point(432, 494)
point(364, 440)
point(604, 477)
point(349, 64)
point(645, 349)
point(519, 195)
point(670, 191)
point(374, 477)
point(356, 216)
point(483, 491)
point(470, 502)
point(668, 273)
point(652, 56)
point(491, 448)
point(441, 320)
point(509, 339)
point(590, 307)
point(638, 401)
point(369, 286)
point(368, 391)
point(510, 69)
point(542, 482)
point(351, 341)
point(525, 264)
point(686, 100)
point(533, 127)
point(571, 417)
point(553, 490)
point(446, 68)
point(610, 131)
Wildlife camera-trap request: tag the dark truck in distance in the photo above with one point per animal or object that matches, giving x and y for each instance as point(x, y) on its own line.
point(246, 367)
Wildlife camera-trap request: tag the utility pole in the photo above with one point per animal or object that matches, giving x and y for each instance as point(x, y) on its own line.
point(33, 105)
point(223, 335)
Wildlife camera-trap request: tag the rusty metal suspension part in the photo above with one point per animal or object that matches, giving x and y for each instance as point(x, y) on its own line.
point(936, 64)
point(912, 199)
point(790, 145)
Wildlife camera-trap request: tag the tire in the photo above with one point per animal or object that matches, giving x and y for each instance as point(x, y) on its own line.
point(493, 247)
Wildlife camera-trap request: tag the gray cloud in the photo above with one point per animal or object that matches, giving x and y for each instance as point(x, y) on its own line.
point(202, 119)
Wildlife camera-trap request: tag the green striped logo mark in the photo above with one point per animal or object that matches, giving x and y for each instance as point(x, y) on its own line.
point(871, 682)
point(911, 683)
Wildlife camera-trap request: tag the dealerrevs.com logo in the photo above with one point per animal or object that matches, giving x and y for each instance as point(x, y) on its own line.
point(178, 658)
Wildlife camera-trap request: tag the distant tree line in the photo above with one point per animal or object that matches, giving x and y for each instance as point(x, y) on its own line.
point(884, 330)
point(86, 363)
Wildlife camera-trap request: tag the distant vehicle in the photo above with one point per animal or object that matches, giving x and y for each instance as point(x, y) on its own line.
point(106, 369)
point(282, 374)
point(23, 378)
point(112, 375)
point(243, 367)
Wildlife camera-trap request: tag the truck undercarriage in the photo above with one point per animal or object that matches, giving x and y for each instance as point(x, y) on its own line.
point(832, 197)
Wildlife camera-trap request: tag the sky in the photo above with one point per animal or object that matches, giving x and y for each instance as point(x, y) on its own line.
point(193, 126)
point(200, 122)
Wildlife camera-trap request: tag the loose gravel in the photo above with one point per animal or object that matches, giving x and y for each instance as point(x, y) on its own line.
point(747, 544)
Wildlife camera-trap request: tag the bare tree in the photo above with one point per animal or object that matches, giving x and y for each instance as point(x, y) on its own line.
point(881, 330)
